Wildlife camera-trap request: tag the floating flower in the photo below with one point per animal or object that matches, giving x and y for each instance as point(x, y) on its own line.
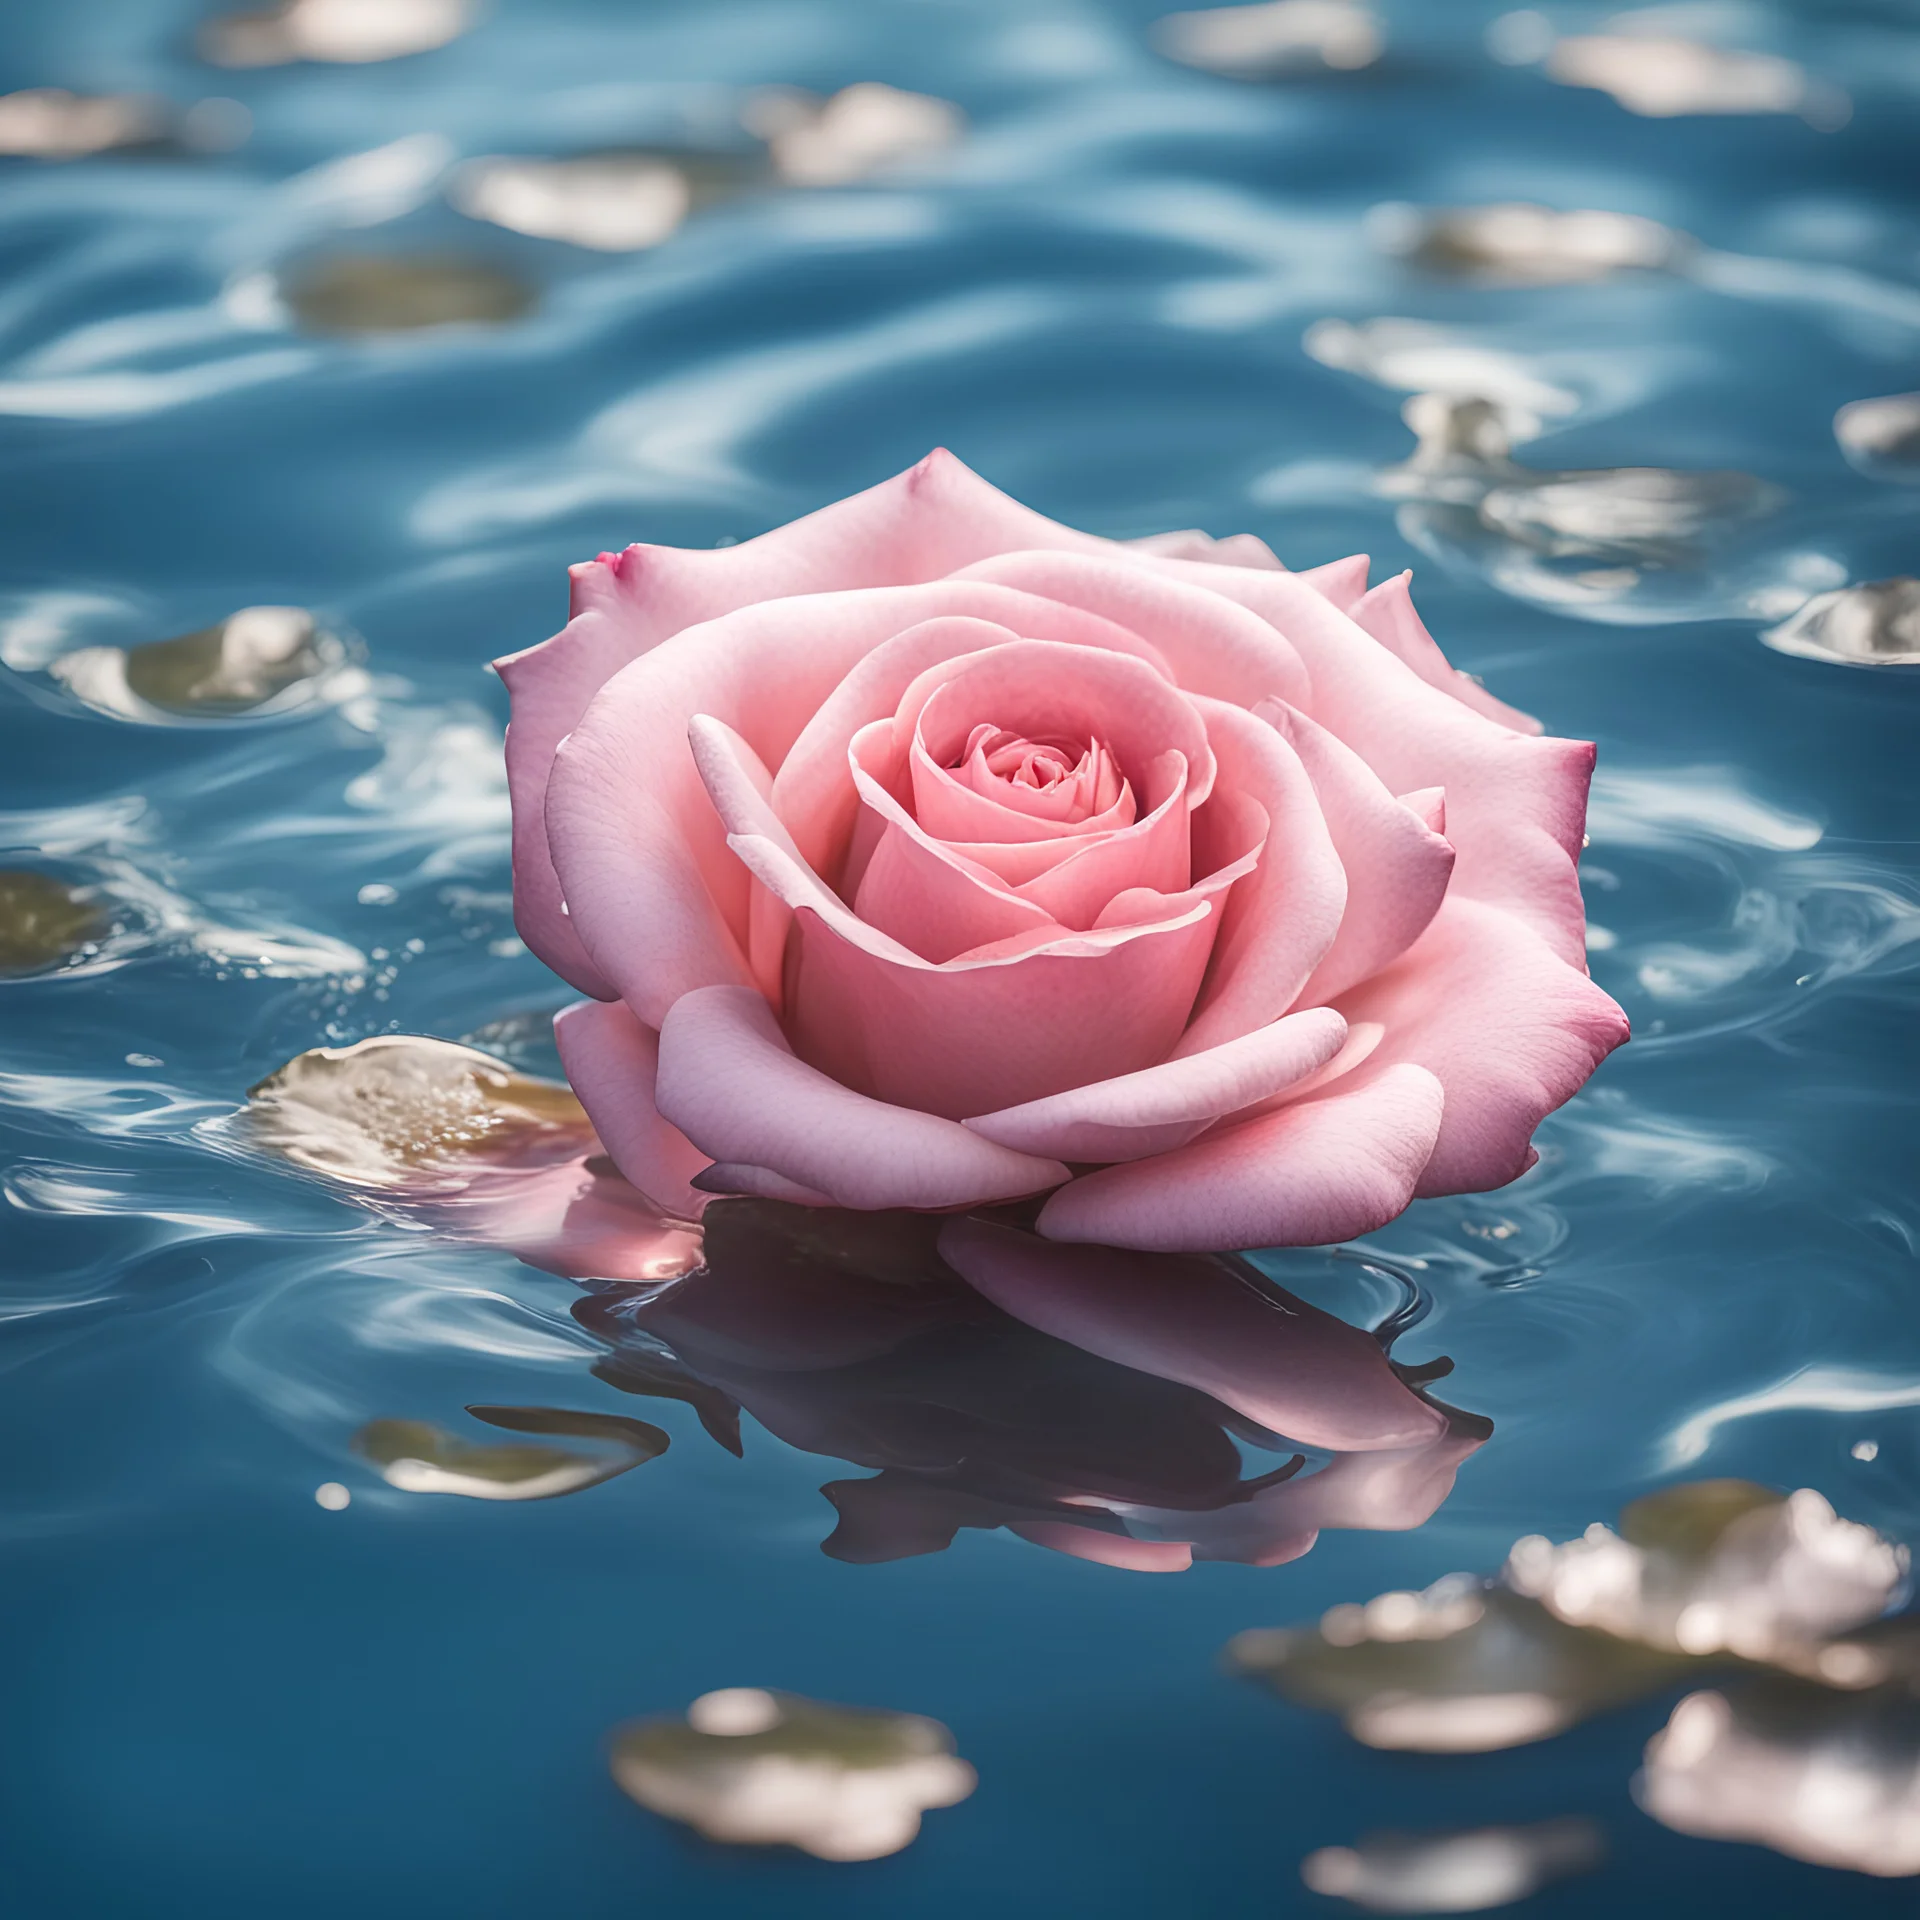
point(928, 853)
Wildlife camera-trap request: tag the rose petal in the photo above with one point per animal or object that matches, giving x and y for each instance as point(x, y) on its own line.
point(1280, 921)
point(932, 898)
point(1025, 1017)
point(1190, 543)
point(1286, 1366)
point(1508, 1027)
point(1212, 648)
point(1397, 868)
point(611, 1060)
point(730, 1081)
point(1516, 806)
point(997, 1027)
point(1165, 1106)
point(1388, 614)
point(1342, 582)
point(1328, 1168)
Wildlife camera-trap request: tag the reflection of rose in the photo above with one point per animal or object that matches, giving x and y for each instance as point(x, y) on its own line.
point(1096, 1415)
point(923, 847)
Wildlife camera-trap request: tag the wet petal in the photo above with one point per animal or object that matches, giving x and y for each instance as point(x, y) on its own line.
point(1460, 1668)
point(1454, 1872)
point(404, 1111)
point(44, 921)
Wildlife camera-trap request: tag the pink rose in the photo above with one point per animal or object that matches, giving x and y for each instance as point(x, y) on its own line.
point(925, 853)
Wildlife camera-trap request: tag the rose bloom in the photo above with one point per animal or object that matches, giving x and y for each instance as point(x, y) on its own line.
point(926, 853)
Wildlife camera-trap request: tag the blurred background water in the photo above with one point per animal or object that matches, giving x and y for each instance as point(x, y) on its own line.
point(295, 317)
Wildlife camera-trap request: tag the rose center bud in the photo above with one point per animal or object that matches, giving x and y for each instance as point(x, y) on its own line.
point(1050, 779)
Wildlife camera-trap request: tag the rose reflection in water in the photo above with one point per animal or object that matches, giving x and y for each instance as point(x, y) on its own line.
point(1088, 1400)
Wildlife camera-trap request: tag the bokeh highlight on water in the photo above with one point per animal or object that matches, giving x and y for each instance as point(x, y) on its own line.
point(1144, 277)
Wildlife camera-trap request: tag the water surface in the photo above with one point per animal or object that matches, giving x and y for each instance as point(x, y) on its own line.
point(1113, 299)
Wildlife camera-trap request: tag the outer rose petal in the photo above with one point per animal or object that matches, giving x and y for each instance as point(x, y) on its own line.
point(1287, 1366)
point(924, 523)
point(611, 1060)
point(1510, 1029)
point(1212, 648)
point(1343, 582)
point(1397, 867)
point(731, 1082)
point(1331, 1166)
point(1516, 807)
point(1165, 1106)
point(1282, 918)
point(1190, 543)
point(1387, 612)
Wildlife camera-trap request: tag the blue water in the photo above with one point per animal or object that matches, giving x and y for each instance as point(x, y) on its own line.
point(225, 1700)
